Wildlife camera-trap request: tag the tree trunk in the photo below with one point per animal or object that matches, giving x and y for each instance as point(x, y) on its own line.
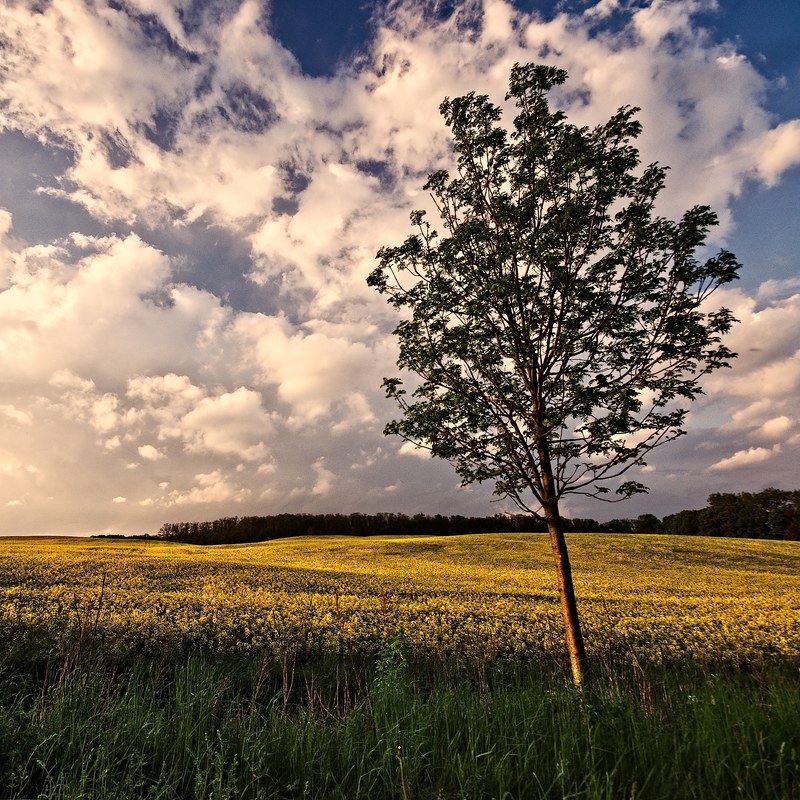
point(566, 593)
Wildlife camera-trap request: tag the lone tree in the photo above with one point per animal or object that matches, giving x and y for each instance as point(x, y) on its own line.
point(558, 329)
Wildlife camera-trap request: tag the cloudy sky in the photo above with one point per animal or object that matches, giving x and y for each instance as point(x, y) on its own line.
point(192, 193)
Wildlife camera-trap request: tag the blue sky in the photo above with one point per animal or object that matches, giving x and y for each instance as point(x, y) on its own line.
point(192, 194)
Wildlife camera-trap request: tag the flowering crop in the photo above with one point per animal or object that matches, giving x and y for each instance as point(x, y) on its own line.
point(657, 598)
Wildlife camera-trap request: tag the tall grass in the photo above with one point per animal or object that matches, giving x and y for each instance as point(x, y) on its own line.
point(214, 726)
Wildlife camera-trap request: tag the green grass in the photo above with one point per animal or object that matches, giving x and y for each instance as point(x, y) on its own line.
point(216, 726)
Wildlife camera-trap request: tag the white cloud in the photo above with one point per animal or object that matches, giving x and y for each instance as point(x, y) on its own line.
point(699, 105)
point(150, 453)
point(59, 57)
point(163, 398)
point(79, 399)
point(233, 423)
point(748, 416)
point(776, 289)
point(314, 372)
point(777, 151)
point(91, 314)
point(410, 449)
point(742, 458)
point(766, 338)
point(325, 479)
point(16, 415)
point(160, 389)
point(210, 488)
point(13, 466)
point(775, 428)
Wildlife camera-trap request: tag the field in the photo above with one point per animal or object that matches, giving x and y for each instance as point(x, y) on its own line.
point(296, 668)
point(656, 598)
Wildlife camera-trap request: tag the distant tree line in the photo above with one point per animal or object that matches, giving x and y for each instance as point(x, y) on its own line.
point(236, 530)
point(771, 514)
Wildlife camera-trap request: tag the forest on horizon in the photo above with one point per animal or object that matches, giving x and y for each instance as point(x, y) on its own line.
point(769, 514)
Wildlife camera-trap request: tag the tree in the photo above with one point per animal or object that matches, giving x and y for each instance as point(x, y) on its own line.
point(559, 326)
point(647, 523)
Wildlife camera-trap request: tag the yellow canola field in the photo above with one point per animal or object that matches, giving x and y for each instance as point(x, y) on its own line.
point(657, 598)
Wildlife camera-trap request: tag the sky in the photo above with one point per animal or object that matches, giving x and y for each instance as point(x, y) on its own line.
point(192, 194)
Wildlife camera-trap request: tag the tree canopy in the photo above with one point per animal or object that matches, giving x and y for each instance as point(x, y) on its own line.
point(560, 326)
point(560, 310)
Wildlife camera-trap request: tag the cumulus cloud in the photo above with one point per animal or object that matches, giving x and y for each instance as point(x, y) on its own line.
point(767, 370)
point(231, 424)
point(753, 455)
point(324, 479)
point(411, 449)
point(209, 488)
point(316, 368)
point(17, 415)
point(252, 138)
point(117, 356)
point(775, 428)
point(778, 150)
point(81, 304)
point(150, 453)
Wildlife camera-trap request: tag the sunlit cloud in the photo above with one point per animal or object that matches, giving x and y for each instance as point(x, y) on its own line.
point(754, 455)
point(119, 353)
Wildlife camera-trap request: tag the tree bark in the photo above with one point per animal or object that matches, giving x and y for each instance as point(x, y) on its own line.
point(566, 594)
point(566, 591)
